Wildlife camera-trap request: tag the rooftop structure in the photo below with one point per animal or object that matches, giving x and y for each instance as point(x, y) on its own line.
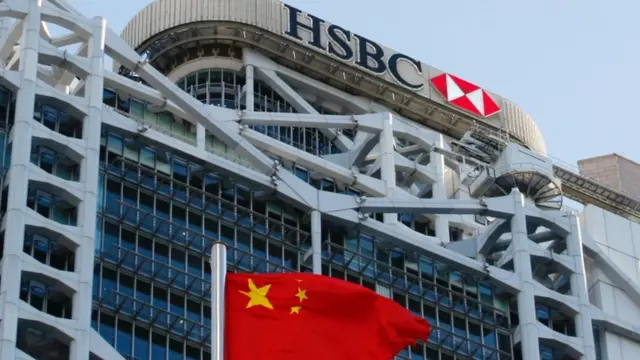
point(614, 171)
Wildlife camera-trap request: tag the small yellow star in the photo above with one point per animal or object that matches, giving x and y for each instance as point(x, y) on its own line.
point(302, 294)
point(295, 310)
point(257, 296)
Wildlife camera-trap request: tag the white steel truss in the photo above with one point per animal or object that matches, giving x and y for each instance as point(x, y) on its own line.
point(34, 65)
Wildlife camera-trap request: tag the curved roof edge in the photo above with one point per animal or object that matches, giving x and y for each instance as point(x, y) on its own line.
point(344, 46)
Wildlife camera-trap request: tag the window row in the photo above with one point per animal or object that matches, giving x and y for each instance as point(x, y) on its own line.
point(173, 221)
point(362, 253)
point(160, 120)
point(148, 250)
point(49, 252)
point(52, 207)
point(138, 342)
point(221, 87)
point(45, 297)
point(57, 120)
point(108, 280)
point(55, 163)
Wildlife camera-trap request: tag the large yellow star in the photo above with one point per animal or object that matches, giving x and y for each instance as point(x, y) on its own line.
point(258, 296)
point(302, 294)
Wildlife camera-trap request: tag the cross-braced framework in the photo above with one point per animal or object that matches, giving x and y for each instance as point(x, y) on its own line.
point(395, 163)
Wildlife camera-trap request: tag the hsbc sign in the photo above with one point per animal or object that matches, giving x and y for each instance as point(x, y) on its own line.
point(338, 42)
point(464, 95)
point(368, 55)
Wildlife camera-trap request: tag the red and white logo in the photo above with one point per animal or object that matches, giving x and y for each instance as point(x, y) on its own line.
point(465, 95)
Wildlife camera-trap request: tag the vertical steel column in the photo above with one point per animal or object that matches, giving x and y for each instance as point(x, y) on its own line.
point(522, 266)
point(87, 209)
point(316, 241)
point(250, 80)
point(18, 179)
point(439, 191)
point(578, 282)
point(218, 277)
point(387, 163)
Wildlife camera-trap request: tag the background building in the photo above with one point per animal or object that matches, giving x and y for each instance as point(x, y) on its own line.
point(303, 147)
point(614, 171)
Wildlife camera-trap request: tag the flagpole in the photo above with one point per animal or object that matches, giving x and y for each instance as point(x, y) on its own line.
point(218, 277)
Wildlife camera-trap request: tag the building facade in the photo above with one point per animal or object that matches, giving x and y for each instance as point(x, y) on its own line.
point(303, 147)
point(613, 171)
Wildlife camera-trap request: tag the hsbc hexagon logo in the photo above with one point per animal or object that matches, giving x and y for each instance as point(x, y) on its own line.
point(465, 95)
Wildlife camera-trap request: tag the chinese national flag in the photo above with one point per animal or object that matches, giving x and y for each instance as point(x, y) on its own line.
point(311, 317)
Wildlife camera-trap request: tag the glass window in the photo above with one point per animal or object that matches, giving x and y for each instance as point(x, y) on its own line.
point(175, 350)
point(191, 83)
point(148, 157)
point(124, 337)
point(165, 120)
point(107, 328)
point(47, 161)
point(215, 76)
point(109, 98)
point(141, 343)
point(159, 347)
point(115, 144)
point(50, 117)
point(486, 293)
point(68, 126)
point(137, 109)
point(150, 117)
point(123, 103)
point(203, 77)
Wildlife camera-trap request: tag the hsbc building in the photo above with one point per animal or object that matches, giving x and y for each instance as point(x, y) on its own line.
point(304, 147)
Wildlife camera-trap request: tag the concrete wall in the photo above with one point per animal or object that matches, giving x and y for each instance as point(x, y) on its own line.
point(620, 240)
point(629, 175)
point(603, 169)
point(614, 171)
point(615, 347)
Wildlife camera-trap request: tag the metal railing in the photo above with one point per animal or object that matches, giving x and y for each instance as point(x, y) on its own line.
point(589, 191)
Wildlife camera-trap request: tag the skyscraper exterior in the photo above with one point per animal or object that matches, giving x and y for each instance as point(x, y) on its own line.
point(303, 147)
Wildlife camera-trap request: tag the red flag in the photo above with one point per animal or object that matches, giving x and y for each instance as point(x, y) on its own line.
point(312, 317)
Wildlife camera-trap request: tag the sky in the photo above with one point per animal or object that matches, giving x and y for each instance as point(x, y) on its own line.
point(572, 65)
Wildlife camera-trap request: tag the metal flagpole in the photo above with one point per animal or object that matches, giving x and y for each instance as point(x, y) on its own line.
point(218, 277)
